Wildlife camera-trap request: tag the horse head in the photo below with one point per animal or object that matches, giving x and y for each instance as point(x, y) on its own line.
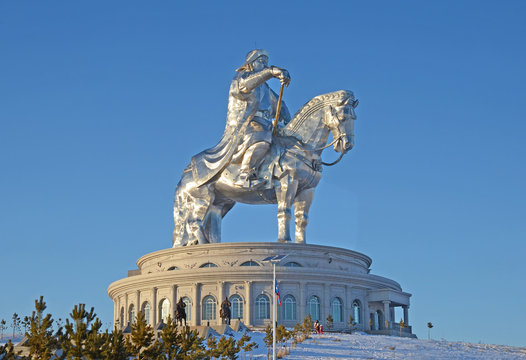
point(340, 121)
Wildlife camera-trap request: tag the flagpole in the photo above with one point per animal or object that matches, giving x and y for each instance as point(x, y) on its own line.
point(274, 311)
point(274, 259)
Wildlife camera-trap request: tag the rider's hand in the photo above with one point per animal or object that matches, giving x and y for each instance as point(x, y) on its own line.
point(281, 74)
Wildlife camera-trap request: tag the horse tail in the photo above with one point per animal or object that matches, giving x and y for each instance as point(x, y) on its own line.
point(178, 219)
point(180, 211)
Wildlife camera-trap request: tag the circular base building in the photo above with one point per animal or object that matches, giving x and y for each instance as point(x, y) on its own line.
point(312, 279)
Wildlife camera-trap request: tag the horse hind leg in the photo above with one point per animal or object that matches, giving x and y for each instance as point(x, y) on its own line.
point(214, 219)
point(180, 218)
point(302, 204)
point(195, 226)
point(196, 207)
point(284, 195)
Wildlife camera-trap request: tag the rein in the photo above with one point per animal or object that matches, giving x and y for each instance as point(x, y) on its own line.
point(325, 147)
point(334, 162)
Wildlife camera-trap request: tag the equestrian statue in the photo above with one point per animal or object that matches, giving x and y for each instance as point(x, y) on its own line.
point(180, 312)
point(264, 157)
point(225, 313)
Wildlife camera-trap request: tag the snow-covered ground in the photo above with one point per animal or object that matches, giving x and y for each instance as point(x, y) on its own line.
point(361, 346)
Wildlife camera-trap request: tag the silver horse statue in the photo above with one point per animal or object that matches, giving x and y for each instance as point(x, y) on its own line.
point(291, 170)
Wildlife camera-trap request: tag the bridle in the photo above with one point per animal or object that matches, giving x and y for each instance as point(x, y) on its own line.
point(339, 138)
point(336, 140)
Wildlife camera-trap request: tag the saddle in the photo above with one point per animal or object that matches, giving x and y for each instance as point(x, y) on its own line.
point(271, 166)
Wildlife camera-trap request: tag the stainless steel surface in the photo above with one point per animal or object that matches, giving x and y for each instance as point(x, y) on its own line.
point(252, 166)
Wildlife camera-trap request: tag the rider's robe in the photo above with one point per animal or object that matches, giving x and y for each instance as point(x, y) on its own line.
point(242, 109)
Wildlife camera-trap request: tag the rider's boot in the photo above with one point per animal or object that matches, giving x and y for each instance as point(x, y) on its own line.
point(252, 159)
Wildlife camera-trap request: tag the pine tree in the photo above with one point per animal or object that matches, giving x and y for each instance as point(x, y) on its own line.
point(244, 344)
point(351, 323)
point(3, 327)
point(141, 337)
point(268, 339)
point(169, 341)
point(115, 346)
point(95, 341)
point(15, 324)
point(330, 322)
point(74, 340)
point(297, 333)
point(282, 335)
point(227, 348)
point(402, 325)
point(429, 326)
point(192, 346)
point(7, 352)
point(26, 322)
point(307, 326)
point(41, 340)
point(213, 351)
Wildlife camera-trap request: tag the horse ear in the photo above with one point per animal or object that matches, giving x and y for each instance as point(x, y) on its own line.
point(355, 103)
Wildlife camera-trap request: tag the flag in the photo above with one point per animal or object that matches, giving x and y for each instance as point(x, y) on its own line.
point(277, 293)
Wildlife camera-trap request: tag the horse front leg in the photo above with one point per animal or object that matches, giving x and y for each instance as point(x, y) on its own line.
point(302, 204)
point(285, 195)
point(203, 197)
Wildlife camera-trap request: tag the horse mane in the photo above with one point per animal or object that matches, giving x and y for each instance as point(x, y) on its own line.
point(313, 106)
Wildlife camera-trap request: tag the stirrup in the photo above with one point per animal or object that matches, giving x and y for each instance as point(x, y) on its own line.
point(248, 180)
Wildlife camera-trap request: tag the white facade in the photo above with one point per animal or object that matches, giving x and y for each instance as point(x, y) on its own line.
point(313, 279)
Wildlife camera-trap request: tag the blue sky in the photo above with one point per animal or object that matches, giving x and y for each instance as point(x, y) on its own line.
point(102, 104)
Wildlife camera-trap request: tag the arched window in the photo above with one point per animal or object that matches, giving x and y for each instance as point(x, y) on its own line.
point(208, 265)
point(121, 320)
point(337, 309)
point(188, 308)
point(262, 307)
point(314, 307)
point(146, 311)
point(250, 263)
point(357, 311)
point(237, 306)
point(209, 308)
point(164, 310)
point(289, 307)
point(292, 264)
point(131, 314)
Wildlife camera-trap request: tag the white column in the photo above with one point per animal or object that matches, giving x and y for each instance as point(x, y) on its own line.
point(347, 307)
point(301, 303)
point(126, 314)
point(325, 308)
point(154, 306)
point(220, 288)
point(366, 317)
point(138, 303)
point(117, 313)
point(387, 314)
point(406, 314)
point(197, 304)
point(248, 301)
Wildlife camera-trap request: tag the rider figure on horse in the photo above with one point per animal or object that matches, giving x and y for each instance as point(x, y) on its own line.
point(225, 313)
point(248, 133)
point(180, 313)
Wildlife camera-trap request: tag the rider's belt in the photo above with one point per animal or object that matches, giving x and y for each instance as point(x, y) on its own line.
point(264, 114)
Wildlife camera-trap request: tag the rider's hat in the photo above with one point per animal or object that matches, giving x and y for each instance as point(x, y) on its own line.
point(252, 56)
